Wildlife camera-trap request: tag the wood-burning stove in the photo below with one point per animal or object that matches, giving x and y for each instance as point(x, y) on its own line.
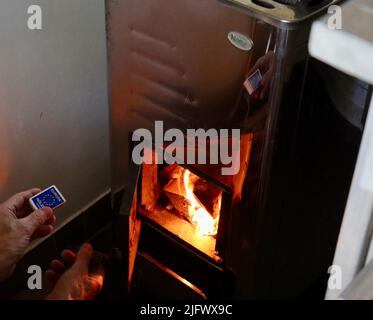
point(184, 62)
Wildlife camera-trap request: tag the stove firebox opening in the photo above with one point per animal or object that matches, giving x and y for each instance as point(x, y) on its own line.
point(183, 203)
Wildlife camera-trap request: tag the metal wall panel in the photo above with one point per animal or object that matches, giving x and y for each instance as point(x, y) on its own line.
point(53, 101)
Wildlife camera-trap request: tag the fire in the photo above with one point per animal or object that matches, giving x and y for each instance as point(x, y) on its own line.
point(205, 224)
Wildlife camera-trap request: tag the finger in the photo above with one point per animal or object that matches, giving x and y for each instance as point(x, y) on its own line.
point(36, 219)
point(42, 231)
point(51, 276)
point(266, 59)
point(51, 220)
point(93, 285)
point(68, 258)
point(83, 258)
point(57, 266)
point(265, 83)
point(17, 202)
point(34, 191)
point(258, 64)
point(266, 80)
point(26, 209)
point(253, 69)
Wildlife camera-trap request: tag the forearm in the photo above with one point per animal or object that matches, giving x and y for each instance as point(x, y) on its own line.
point(6, 266)
point(8, 256)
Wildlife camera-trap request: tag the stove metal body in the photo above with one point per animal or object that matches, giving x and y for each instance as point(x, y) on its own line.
point(184, 62)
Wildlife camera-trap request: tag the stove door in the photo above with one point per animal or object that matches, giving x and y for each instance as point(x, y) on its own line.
point(129, 224)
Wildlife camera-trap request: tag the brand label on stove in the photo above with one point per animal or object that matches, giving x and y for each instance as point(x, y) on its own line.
point(240, 41)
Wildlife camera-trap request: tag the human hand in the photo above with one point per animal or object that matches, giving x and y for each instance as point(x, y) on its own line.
point(266, 65)
point(19, 226)
point(72, 277)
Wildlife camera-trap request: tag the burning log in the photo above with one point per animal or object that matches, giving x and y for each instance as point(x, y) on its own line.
point(180, 193)
point(176, 193)
point(172, 171)
point(209, 195)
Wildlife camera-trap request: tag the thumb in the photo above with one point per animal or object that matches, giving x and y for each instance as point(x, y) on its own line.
point(37, 218)
point(93, 285)
point(83, 258)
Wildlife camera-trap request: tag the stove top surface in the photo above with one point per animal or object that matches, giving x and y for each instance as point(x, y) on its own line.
point(283, 12)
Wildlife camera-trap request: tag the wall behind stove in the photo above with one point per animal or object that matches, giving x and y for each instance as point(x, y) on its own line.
point(53, 101)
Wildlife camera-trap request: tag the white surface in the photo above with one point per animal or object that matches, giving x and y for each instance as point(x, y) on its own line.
point(350, 49)
point(53, 101)
point(356, 231)
point(367, 178)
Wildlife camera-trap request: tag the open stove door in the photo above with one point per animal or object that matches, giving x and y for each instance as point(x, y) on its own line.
point(128, 225)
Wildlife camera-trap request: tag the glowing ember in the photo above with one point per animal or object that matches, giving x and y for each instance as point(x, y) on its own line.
point(205, 224)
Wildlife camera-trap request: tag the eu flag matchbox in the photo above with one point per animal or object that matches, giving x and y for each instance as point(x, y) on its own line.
point(252, 83)
point(50, 197)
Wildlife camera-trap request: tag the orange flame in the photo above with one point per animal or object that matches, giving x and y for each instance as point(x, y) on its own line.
point(203, 221)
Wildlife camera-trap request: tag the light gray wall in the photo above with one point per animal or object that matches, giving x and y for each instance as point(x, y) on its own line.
point(53, 101)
